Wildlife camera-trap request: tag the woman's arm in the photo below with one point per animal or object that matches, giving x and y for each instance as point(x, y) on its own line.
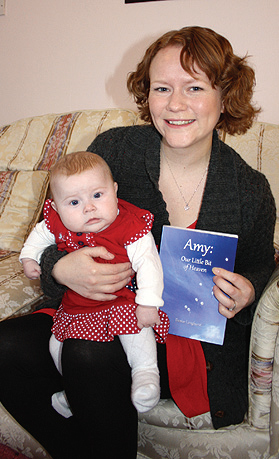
point(79, 271)
point(255, 262)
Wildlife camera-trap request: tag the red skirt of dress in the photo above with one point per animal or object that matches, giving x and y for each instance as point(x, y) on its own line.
point(104, 325)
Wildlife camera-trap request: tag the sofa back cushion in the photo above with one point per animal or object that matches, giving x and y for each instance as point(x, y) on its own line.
point(28, 149)
point(260, 148)
point(36, 143)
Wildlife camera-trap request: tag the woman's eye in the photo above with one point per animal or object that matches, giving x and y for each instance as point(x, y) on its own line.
point(195, 88)
point(74, 202)
point(161, 89)
point(97, 195)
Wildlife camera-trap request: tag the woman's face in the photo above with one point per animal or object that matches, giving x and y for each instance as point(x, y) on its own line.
point(184, 109)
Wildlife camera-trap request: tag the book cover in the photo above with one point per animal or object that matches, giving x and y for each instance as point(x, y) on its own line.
point(188, 256)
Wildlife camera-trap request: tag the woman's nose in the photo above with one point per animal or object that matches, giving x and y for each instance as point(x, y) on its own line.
point(177, 101)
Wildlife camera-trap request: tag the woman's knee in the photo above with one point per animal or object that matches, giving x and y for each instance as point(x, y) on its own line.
point(24, 341)
point(83, 355)
point(96, 371)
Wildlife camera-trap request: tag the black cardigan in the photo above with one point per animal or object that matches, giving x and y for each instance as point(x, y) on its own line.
point(237, 200)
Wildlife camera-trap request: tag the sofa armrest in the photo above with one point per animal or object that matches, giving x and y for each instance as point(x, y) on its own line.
point(262, 365)
point(274, 410)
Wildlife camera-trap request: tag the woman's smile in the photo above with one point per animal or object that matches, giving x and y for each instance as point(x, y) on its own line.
point(179, 122)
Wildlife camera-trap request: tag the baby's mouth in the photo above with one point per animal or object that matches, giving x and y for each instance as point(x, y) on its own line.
point(92, 220)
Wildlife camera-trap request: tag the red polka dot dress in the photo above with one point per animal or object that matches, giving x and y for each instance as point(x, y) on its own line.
point(82, 318)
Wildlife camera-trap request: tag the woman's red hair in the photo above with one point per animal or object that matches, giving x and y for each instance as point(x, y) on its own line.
point(204, 49)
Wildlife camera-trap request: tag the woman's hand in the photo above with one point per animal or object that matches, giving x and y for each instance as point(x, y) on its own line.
point(97, 281)
point(233, 291)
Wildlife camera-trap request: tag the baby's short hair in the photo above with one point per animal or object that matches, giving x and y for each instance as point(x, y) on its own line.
point(78, 162)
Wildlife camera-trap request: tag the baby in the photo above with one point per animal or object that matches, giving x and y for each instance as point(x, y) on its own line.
point(85, 211)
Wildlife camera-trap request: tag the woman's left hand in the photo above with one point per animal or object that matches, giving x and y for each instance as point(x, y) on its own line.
point(233, 291)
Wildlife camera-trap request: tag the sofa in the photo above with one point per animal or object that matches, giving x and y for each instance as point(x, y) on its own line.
point(28, 148)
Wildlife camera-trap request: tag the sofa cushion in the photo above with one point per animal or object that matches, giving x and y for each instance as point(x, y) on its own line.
point(17, 293)
point(36, 143)
point(22, 197)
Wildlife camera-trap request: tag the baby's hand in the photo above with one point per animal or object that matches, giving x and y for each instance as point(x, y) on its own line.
point(31, 268)
point(147, 316)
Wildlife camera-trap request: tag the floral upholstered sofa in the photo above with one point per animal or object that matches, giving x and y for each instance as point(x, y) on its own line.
point(28, 148)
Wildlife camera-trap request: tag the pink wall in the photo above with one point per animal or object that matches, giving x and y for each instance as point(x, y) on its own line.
point(60, 55)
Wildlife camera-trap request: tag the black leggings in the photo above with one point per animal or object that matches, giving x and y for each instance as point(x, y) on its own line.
point(97, 380)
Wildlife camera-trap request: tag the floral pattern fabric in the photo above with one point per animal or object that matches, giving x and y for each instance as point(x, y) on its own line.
point(165, 433)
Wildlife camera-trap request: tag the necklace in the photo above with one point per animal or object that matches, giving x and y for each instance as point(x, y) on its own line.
point(186, 203)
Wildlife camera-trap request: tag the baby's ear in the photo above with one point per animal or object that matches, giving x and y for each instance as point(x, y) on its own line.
point(53, 205)
point(115, 187)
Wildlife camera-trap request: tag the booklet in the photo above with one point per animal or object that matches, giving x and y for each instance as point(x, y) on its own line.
point(188, 256)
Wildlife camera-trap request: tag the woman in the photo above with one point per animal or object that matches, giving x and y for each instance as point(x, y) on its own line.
point(188, 84)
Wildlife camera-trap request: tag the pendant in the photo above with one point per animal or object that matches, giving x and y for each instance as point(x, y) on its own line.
point(186, 207)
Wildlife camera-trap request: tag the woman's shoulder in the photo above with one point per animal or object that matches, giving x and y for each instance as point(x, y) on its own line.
point(246, 173)
point(119, 135)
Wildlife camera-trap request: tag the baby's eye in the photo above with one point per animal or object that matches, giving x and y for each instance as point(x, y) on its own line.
point(97, 195)
point(74, 202)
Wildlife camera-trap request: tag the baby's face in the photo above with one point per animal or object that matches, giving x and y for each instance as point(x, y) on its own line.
point(86, 202)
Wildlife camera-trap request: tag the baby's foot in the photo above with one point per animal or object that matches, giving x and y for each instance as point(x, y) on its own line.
point(145, 389)
point(60, 404)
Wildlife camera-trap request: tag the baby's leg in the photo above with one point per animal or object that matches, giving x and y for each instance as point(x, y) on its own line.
point(59, 399)
point(141, 354)
point(55, 349)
